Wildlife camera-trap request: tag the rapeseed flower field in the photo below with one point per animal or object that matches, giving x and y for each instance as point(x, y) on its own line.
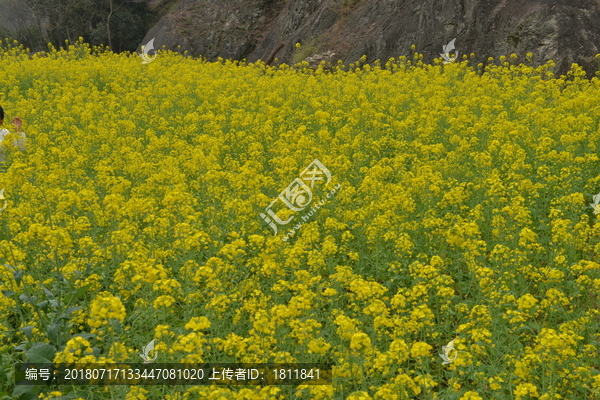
point(463, 212)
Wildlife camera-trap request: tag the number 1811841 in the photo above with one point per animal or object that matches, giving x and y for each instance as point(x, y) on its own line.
point(296, 374)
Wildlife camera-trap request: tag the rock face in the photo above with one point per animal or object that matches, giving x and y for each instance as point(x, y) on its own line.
point(317, 59)
point(212, 28)
point(565, 31)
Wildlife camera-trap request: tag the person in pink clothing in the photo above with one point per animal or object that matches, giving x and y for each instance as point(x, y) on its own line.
point(19, 140)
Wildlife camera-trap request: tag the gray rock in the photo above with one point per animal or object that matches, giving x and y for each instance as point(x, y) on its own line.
point(566, 31)
point(315, 60)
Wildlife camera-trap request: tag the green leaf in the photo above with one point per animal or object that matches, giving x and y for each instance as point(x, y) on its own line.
point(18, 275)
point(43, 305)
point(22, 389)
point(25, 298)
point(41, 353)
point(54, 333)
point(21, 347)
point(77, 294)
point(48, 293)
point(29, 396)
point(28, 331)
point(67, 313)
point(46, 304)
point(116, 324)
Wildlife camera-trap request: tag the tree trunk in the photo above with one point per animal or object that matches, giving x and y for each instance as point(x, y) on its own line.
point(272, 56)
point(108, 26)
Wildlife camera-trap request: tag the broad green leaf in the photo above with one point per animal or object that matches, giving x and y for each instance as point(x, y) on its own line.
point(41, 353)
point(48, 293)
point(25, 298)
point(22, 389)
point(78, 293)
point(28, 331)
point(67, 313)
point(54, 333)
point(18, 275)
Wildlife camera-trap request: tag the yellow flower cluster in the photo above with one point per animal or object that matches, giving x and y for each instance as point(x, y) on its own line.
point(198, 324)
point(463, 213)
point(77, 350)
point(103, 308)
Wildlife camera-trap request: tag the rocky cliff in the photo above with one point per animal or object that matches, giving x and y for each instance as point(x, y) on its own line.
point(565, 31)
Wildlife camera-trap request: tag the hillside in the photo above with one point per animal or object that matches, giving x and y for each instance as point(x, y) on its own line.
point(562, 30)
